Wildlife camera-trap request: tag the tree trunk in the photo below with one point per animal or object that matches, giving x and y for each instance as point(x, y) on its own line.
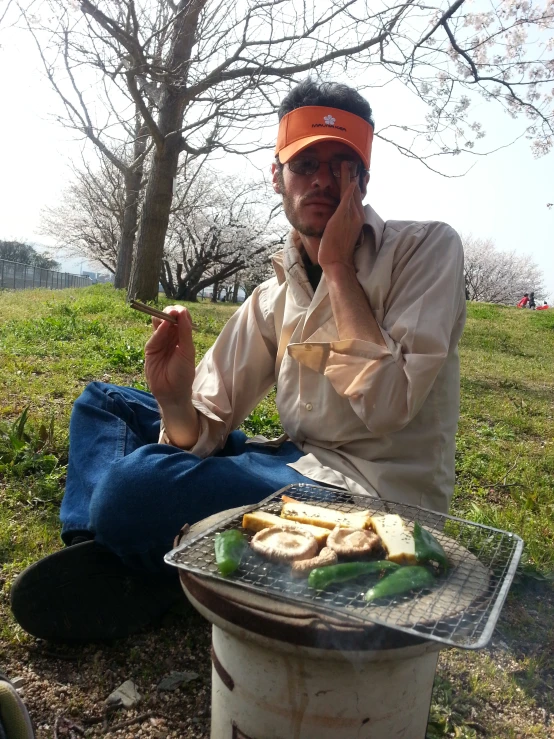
point(133, 182)
point(159, 190)
point(129, 229)
point(153, 223)
point(215, 292)
point(189, 284)
point(236, 288)
point(188, 294)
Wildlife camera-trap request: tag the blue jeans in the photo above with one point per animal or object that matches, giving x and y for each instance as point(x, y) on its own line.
point(134, 494)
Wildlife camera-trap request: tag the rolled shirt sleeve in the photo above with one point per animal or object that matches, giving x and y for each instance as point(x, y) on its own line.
point(386, 387)
point(234, 374)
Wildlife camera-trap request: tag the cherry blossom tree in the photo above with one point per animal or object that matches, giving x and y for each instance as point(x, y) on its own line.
point(219, 226)
point(495, 276)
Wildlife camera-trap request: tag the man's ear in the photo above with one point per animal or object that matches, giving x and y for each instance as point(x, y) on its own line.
point(275, 179)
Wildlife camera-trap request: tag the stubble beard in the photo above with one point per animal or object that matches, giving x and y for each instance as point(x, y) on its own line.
point(292, 217)
point(297, 223)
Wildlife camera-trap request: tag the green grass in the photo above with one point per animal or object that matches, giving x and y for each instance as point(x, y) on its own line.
point(53, 343)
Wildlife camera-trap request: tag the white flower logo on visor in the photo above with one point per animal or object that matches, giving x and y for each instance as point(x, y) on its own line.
point(329, 120)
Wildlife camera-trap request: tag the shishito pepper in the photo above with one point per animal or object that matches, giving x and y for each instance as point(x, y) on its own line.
point(402, 580)
point(229, 548)
point(428, 549)
point(322, 577)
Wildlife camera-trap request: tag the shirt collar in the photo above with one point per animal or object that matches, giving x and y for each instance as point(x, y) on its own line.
point(289, 257)
point(374, 224)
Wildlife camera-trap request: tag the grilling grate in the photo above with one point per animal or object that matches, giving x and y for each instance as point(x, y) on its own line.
point(461, 610)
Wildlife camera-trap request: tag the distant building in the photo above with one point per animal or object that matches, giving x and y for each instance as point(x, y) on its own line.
point(97, 277)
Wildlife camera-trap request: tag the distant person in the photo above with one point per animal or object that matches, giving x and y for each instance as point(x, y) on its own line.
point(524, 300)
point(532, 304)
point(544, 306)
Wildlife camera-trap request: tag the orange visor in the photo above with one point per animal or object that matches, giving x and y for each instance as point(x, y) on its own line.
point(305, 126)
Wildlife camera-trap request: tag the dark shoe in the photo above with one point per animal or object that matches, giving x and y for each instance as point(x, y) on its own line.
point(70, 538)
point(79, 539)
point(14, 717)
point(86, 593)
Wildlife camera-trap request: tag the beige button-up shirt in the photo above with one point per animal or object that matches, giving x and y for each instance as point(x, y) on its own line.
point(374, 420)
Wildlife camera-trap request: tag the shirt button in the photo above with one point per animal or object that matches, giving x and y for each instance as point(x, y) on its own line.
point(309, 406)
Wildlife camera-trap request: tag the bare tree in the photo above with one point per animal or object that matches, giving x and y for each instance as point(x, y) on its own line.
point(208, 76)
point(111, 119)
point(495, 276)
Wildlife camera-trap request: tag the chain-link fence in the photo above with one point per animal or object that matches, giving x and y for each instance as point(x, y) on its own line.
point(16, 276)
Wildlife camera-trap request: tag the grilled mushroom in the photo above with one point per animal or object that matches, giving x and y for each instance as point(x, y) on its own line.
point(352, 542)
point(284, 544)
point(303, 567)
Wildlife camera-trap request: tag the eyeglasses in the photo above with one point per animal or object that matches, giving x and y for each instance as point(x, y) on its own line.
point(305, 165)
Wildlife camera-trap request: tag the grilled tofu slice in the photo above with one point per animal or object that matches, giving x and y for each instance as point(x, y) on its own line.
point(397, 541)
point(326, 517)
point(259, 520)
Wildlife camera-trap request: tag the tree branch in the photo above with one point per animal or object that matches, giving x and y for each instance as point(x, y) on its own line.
point(143, 108)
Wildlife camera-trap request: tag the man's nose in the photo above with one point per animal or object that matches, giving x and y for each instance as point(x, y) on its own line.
point(323, 177)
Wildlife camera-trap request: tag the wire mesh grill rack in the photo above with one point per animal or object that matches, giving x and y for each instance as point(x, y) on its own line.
point(460, 610)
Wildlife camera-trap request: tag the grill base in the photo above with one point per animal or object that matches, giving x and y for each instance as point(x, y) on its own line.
point(261, 690)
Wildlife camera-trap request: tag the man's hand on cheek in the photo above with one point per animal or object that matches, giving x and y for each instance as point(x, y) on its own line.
point(344, 227)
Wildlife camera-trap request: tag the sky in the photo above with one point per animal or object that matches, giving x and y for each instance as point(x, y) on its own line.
point(504, 197)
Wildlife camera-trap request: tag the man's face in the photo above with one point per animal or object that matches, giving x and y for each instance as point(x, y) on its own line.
point(310, 200)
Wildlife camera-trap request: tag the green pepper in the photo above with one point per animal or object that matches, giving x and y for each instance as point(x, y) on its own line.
point(322, 577)
point(229, 548)
point(428, 549)
point(401, 581)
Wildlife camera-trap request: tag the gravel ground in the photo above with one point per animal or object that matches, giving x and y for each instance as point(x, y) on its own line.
point(65, 687)
point(502, 692)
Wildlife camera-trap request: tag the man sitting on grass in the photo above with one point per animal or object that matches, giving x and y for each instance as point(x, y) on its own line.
point(359, 330)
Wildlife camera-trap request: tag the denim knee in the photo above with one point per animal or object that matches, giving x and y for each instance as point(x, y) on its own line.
point(130, 511)
point(94, 390)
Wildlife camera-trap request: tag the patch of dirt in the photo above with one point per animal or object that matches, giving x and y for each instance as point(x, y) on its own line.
point(505, 691)
point(65, 687)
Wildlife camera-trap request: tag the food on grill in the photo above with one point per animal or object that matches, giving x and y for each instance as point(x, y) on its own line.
point(284, 543)
point(403, 580)
point(395, 538)
point(229, 548)
point(353, 542)
point(319, 516)
point(261, 520)
point(322, 577)
point(428, 549)
point(303, 567)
